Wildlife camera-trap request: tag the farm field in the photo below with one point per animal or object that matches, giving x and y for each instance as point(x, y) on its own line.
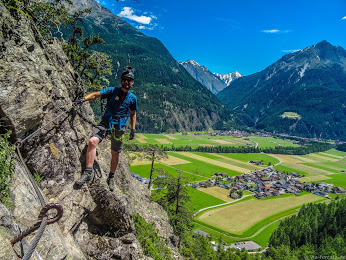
point(314, 165)
point(262, 216)
point(217, 192)
point(271, 142)
point(194, 140)
point(241, 218)
point(200, 199)
point(203, 165)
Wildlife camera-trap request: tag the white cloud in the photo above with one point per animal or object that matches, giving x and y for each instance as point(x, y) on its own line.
point(290, 51)
point(150, 27)
point(128, 13)
point(276, 31)
point(271, 31)
point(343, 18)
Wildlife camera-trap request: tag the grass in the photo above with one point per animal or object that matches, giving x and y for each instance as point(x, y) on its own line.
point(263, 237)
point(200, 200)
point(197, 140)
point(322, 166)
point(336, 152)
point(217, 192)
point(144, 171)
point(201, 167)
point(284, 168)
point(314, 164)
point(245, 157)
point(244, 217)
point(291, 115)
point(339, 180)
point(271, 142)
point(220, 160)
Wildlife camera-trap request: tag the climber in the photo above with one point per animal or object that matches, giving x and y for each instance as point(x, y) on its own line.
point(121, 104)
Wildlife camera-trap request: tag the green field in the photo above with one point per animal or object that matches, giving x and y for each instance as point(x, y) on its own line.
point(316, 164)
point(200, 200)
point(243, 218)
point(202, 168)
point(193, 140)
point(144, 171)
point(247, 219)
point(207, 164)
point(245, 157)
point(339, 180)
point(271, 142)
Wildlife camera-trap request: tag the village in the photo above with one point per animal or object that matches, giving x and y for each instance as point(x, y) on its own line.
point(268, 182)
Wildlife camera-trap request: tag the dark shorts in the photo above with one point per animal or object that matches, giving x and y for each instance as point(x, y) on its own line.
point(101, 131)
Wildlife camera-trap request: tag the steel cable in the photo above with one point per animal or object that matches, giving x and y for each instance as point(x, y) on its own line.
point(37, 238)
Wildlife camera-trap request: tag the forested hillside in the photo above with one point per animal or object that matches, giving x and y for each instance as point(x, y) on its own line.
point(169, 98)
point(318, 229)
point(301, 94)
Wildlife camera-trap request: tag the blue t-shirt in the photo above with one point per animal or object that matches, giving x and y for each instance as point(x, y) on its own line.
point(119, 105)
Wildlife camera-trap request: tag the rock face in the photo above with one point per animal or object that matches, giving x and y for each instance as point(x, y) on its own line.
point(204, 76)
point(37, 84)
point(170, 100)
point(213, 81)
point(229, 77)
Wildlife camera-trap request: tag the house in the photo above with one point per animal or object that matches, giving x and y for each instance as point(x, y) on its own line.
point(267, 194)
point(275, 193)
point(268, 186)
point(258, 195)
point(195, 185)
point(220, 174)
point(339, 190)
point(277, 185)
point(289, 190)
point(234, 195)
point(200, 233)
point(235, 188)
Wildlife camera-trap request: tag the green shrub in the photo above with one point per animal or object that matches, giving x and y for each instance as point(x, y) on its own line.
point(151, 243)
point(6, 168)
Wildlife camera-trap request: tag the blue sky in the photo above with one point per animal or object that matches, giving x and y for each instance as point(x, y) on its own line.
point(228, 35)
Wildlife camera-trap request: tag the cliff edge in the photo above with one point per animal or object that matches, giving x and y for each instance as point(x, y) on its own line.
point(37, 84)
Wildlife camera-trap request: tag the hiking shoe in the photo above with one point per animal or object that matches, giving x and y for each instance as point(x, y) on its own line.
point(110, 182)
point(86, 176)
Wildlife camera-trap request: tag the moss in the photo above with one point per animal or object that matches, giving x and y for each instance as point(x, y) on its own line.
point(54, 150)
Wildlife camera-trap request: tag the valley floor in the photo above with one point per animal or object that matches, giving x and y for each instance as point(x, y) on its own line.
point(248, 218)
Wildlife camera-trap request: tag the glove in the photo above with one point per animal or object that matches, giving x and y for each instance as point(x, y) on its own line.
point(132, 134)
point(78, 101)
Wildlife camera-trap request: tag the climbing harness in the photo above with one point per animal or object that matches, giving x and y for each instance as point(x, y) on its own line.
point(40, 225)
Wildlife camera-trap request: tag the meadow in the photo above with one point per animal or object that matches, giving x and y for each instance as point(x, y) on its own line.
point(329, 166)
point(202, 166)
point(242, 218)
point(248, 218)
point(194, 140)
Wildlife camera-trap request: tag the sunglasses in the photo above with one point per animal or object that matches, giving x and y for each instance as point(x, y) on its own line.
point(128, 80)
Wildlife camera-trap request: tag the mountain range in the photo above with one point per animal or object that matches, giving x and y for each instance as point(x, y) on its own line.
point(169, 98)
point(303, 94)
point(213, 81)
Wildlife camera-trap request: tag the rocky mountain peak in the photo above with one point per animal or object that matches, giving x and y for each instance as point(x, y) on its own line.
point(213, 81)
point(309, 82)
point(229, 77)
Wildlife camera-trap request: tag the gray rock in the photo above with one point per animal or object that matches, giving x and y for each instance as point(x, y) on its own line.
point(37, 83)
